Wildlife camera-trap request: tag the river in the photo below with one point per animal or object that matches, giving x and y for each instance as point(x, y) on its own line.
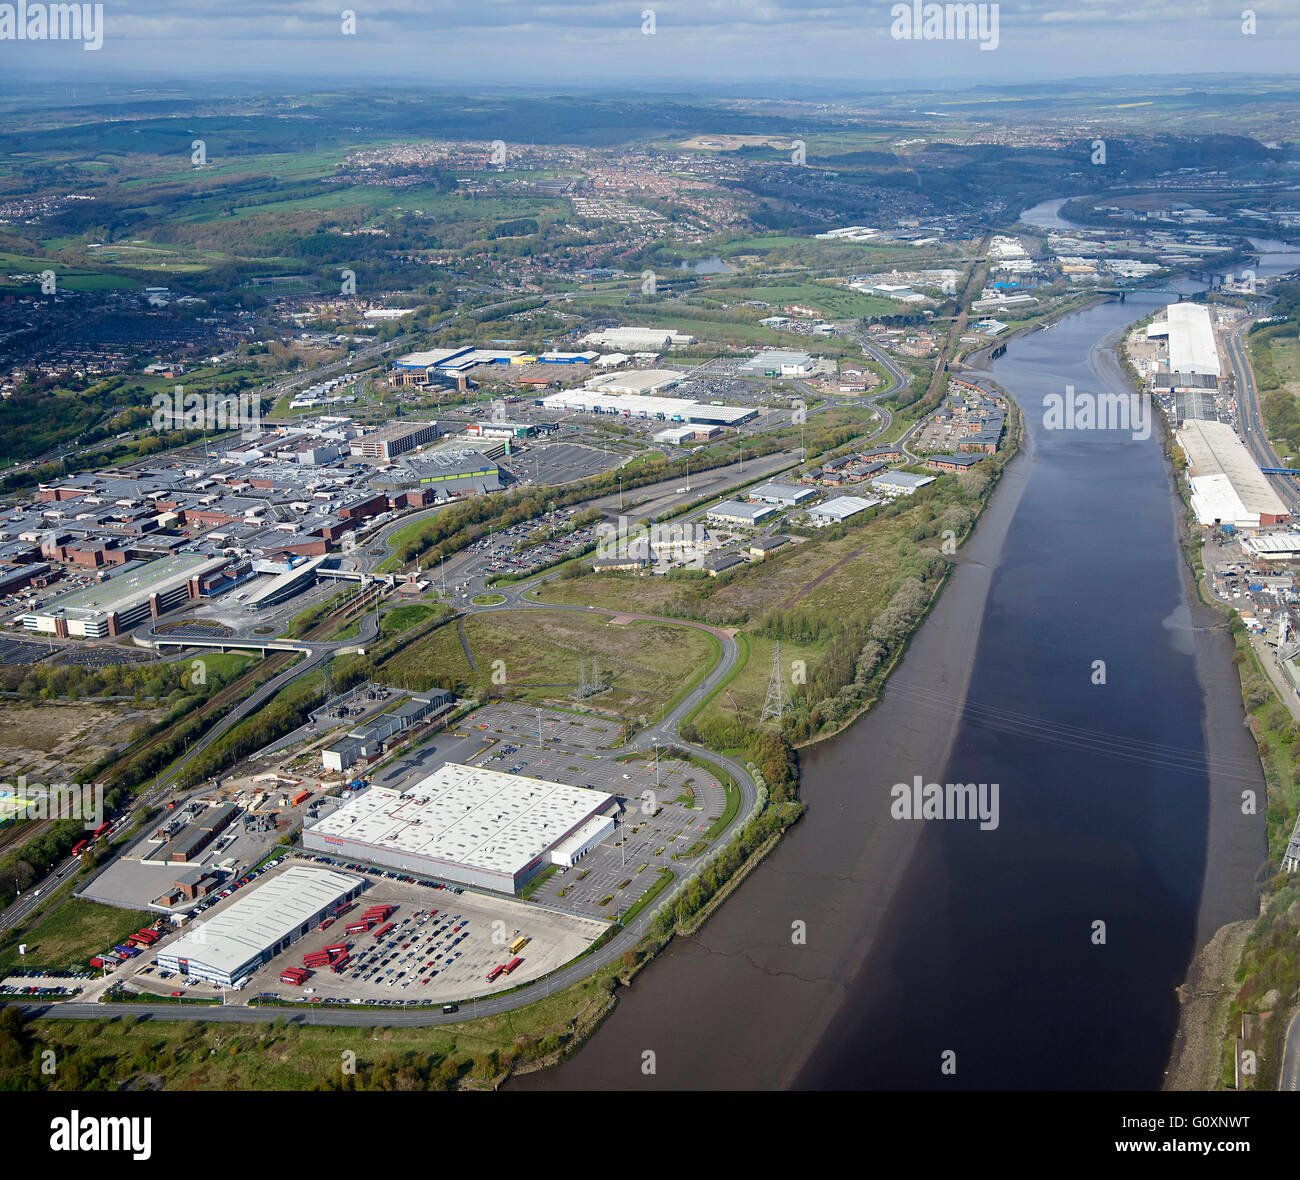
point(1119, 805)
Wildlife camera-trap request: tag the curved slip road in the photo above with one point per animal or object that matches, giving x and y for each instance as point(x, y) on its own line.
point(625, 939)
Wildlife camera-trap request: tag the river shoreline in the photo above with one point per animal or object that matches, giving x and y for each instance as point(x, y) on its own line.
point(736, 1005)
point(860, 873)
point(1236, 851)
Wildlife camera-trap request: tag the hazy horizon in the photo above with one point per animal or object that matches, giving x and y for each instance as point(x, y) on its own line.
point(582, 44)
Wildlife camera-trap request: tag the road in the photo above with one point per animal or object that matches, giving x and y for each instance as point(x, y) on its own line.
point(1251, 420)
point(896, 375)
point(1288, 1077)
point(664, 733)
point(654, 499)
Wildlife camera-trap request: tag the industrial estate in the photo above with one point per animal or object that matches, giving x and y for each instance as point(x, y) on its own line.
point(446, 643)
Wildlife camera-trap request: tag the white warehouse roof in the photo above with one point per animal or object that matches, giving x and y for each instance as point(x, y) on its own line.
point(842, 507)
point(256, 922)
point(636, 381)
point(635, 338)
point(1213, 449)
point(1191, 339)
point(468, 816)
point(1275, 546)
point(670, 409)
point(1215, 502)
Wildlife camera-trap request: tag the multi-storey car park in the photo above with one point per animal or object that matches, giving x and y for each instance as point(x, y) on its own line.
point(467, 825)
point(123, 602)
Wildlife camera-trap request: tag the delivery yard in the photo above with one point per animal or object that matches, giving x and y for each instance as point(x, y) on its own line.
point(441, 947)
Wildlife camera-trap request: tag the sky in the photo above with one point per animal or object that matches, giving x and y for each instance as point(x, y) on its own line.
point(576, 43)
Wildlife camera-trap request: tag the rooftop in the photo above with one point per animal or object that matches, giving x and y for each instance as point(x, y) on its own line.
point(266, 914)
point(124, 590)
point(466, 815)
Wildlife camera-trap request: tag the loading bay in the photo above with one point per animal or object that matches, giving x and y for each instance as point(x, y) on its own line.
point(440, 949)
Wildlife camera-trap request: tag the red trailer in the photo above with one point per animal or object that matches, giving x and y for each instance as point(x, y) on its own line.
point(357, 928)
point(299, 797)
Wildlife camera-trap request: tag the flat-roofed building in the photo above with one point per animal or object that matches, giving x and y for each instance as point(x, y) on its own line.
point(841, 508)
point(736, 512)
point(638, 339)
point(1191, 339)
point(388, 442)
point(192, 839)
point(443, 473)
point(261, 924)
point(637, 381)
point(464, 824)
point(1227, 485)
point(785, 494)
point(666, 409)
point(904, 483)
point(571, 850)
point(341, 754)
point(779, 363)
point(127, 599)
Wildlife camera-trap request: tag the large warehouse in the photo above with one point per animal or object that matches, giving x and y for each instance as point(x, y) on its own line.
point(463, 824)
point(642, 382)
point(1191, 339)
point(779, 363)
point(639, 339)
point(256, 928)
point(1227, 484)
point(667, 409)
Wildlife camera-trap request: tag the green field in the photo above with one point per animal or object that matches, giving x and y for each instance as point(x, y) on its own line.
point(854, 573)
point(73, 933)
point(832, 301)
point(1286, 360)
point(537, 653)
point(743, 696)
point(109, 1054)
